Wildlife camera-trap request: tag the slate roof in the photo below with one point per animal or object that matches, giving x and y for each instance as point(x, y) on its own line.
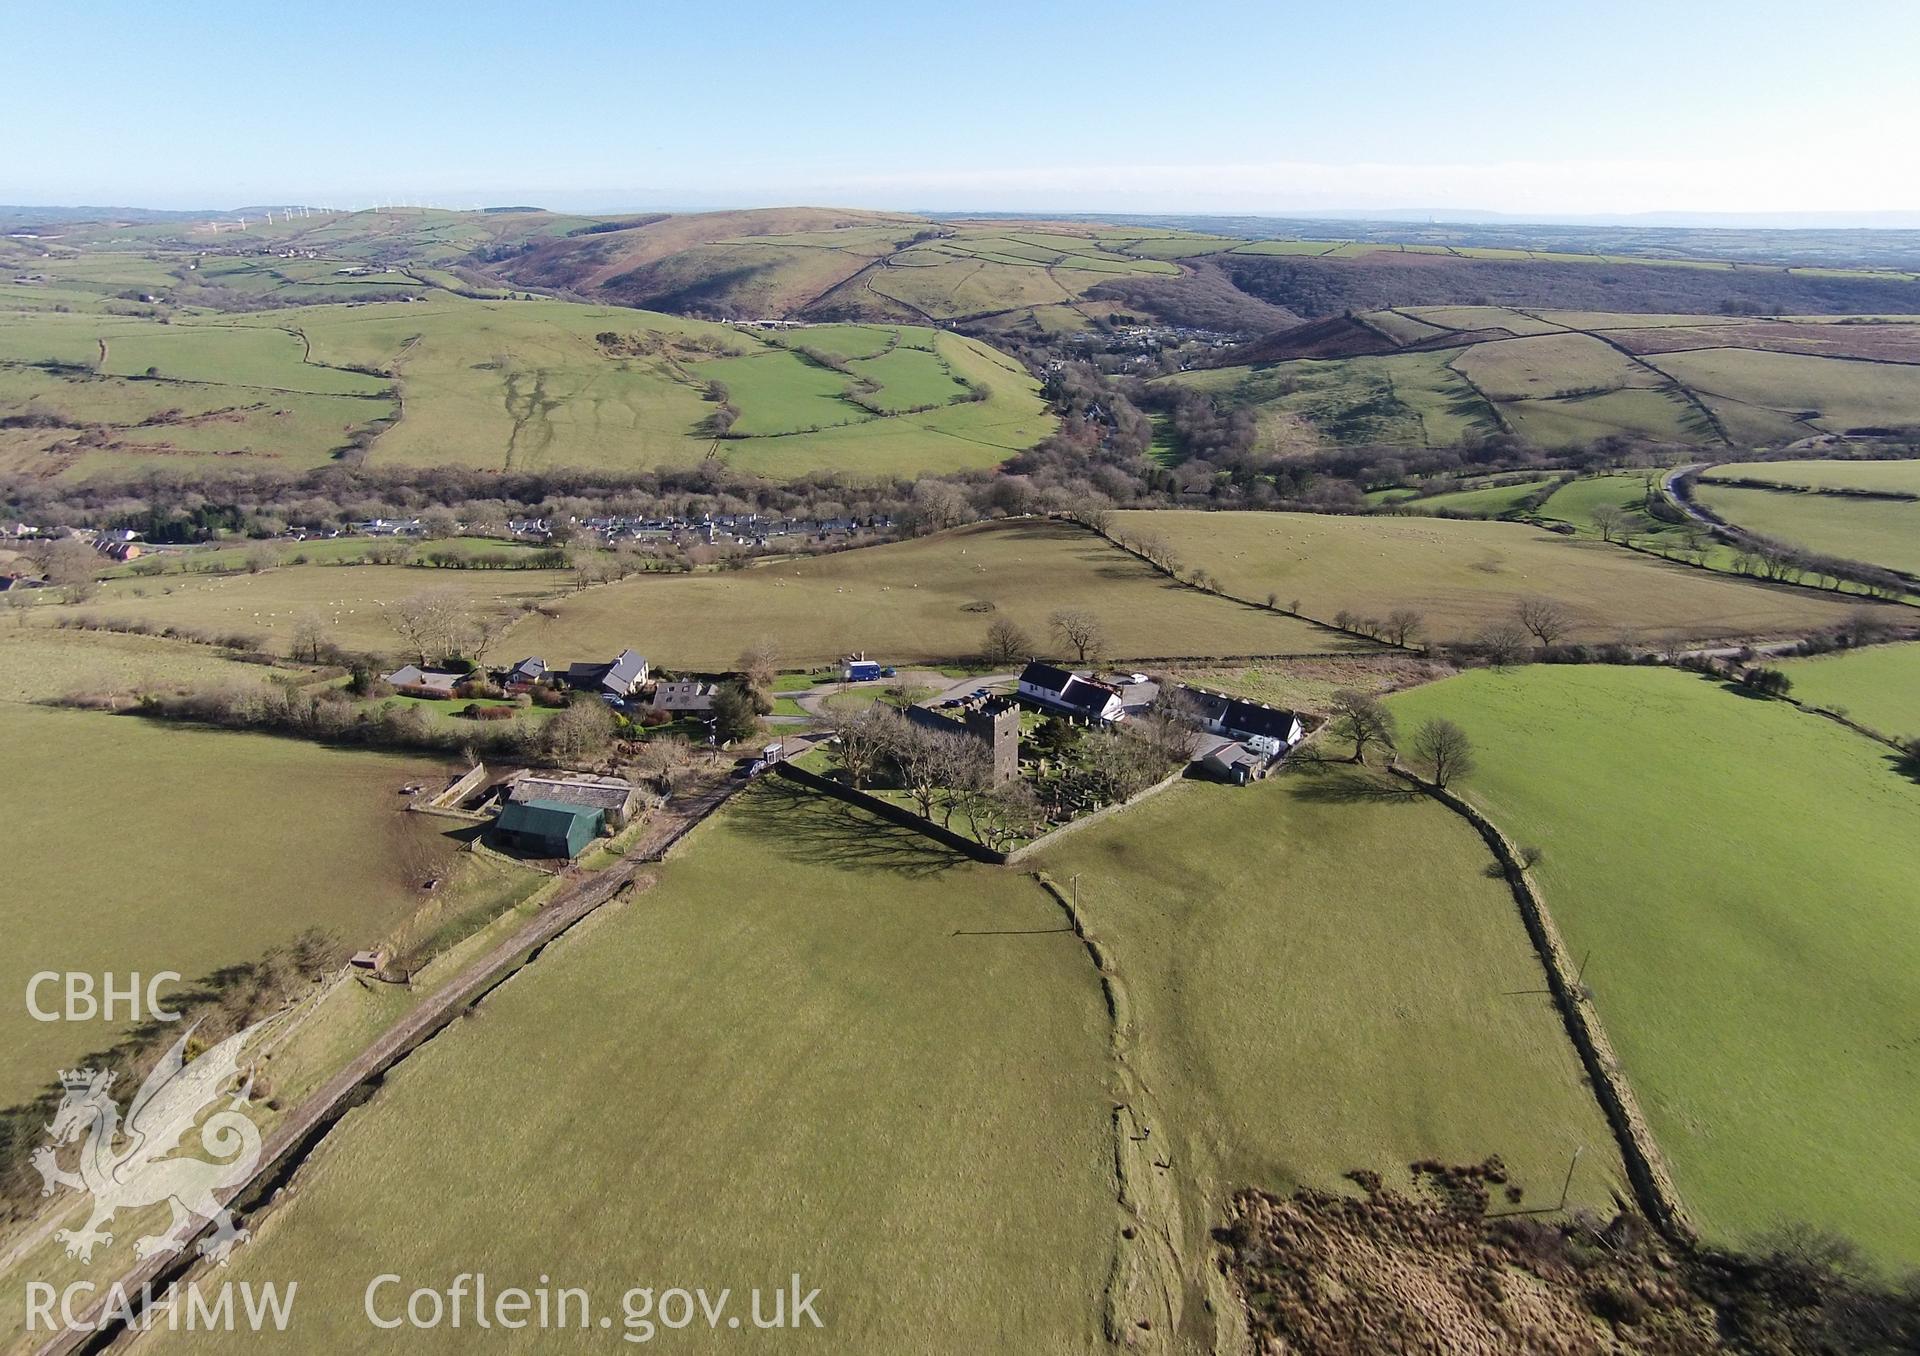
point(1046, 676)
point(1251, 718)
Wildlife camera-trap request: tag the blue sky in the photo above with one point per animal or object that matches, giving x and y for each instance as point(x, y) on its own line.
point(1201, 105)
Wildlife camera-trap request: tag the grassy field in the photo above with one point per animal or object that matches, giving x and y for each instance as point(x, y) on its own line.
point(1486, 502)
point(819, 1044)
point(40, 663)
point(1462, 576)
point(1741, 876)
point(351, 600)
point(1896, 477)
point(1565, 378)
point(1833, 394)
point(506, 385)
point(222, 845)
point(1879, 687)
point(1321, 976)
point(1877, 531)
point(930, 599)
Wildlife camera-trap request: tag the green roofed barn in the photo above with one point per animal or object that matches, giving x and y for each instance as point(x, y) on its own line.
point(546, 828)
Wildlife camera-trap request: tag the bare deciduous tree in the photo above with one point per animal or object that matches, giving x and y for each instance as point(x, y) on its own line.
point(1545, 618)
point(864, 735)
point(1079, 630)
point(1445, 749)
point(1503, 643)
point(309, 637)
point(1403, 626)
point(1610, 522)
point(1007, 643)
point(1360, 718)
point(759, 663)
point(428, 622)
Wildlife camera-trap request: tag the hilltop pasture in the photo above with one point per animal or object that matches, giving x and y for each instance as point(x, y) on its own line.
point(929, 600)
point(1739, 876)
point(1463, 576)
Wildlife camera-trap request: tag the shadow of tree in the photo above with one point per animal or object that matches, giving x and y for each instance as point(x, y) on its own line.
point(813, 826)
point(1326, 783)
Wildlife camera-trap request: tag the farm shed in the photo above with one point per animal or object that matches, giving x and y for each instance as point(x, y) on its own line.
point(547, 828)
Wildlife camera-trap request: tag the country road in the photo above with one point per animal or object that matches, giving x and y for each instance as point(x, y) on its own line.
point(1680, 501)
point(313, 1116)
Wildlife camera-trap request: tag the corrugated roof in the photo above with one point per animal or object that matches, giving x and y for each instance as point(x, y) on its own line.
point(545, 817)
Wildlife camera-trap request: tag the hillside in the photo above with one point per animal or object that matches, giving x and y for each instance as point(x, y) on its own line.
point(500, 385)
point(1433, 375)
point(1006, 274)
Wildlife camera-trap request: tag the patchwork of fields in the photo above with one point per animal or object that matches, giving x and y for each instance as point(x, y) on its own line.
point(1428, 376)
point(1463, 576)
point(820, 1044)
point(1738, 876)
point(931, 1138)
point(507, 385)
point(926, 600)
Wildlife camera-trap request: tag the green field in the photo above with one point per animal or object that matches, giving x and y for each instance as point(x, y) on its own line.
point(1488, 501)
point(926, 600)
point(1878, 687)
point(504, 385)
point(351, 600)
point(1564, 378)
point(1322, 977)
point(40, 663)
point(1832, 394)
point(1739, 877)
point(1412, 399)
point(1462, 576)
point(927, 1131)
point(820, 1044)
point(1877, 531)
point(1889, 477)
point(167, 848)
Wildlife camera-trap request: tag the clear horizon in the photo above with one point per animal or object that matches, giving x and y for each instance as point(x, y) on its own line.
point(1750, 110)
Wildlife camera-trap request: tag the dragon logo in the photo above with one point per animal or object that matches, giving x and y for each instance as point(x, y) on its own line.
point(128, 1167)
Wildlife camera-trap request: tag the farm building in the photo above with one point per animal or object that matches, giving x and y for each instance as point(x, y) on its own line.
point(1234, 763)
point(547, 828)
point(615, 797)
point(1071, 694)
